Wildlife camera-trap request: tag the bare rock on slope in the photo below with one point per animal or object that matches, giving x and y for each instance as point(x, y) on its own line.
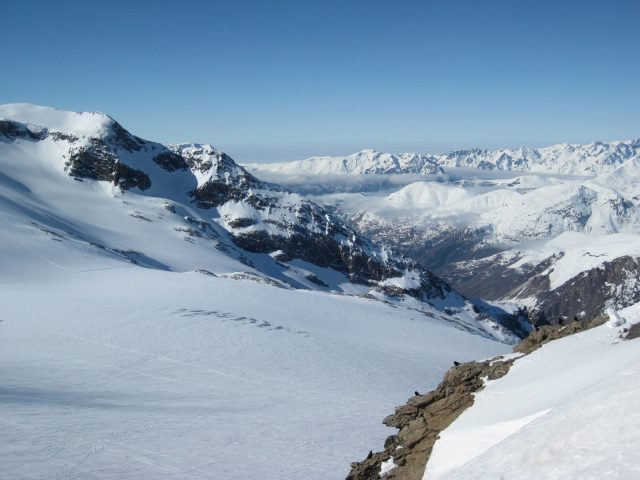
point(423, 417)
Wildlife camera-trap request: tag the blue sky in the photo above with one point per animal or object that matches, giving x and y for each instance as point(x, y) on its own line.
point(287, 79)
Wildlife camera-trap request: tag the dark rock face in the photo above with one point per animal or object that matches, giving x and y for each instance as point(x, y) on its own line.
point(423, 417)
point(616, 283)
point(121, 138)
point(127, 178)
point(229, 181)
point(170, 161)
point(214, 194)
point(13, 130)
point(584, 296)
point(634, 332)
point(491, 277)
point(320, 250)
point(98, 162)
point(548, 333)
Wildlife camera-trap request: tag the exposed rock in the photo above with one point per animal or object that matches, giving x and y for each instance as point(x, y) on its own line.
point(312, 278)
point(423, 417)
point(13, 130)
point(547, 333)
point(127, 178)
point(615, 283)
point(634, 332)
point(170, 161)
point(120, 137)
point(240, 222)
point(213, 194)
point(62, 136)
point(96, 161)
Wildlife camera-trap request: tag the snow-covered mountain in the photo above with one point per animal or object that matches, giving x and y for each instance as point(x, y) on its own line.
point(166, 314)
point(568, 159)
point(562, 246)
point(365, 162)
point(500, 233)
point(195, 193)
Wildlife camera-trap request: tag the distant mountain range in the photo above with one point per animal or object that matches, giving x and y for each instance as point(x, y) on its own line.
point(567, 159)
point(556, 229)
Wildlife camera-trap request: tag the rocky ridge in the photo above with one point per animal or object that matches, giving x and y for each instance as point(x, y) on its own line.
point(423, 417)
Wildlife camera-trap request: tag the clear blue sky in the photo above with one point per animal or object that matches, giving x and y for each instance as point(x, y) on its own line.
point(268, 79)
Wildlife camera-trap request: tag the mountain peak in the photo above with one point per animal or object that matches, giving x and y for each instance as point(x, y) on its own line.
point(82, 124)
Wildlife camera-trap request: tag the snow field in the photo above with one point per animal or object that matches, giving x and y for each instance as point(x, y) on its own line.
point(567, 410)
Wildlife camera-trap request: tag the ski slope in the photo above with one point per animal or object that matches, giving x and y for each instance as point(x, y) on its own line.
point(567, 410)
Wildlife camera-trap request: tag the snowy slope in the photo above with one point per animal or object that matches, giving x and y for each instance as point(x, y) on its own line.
point(113, 371)
point(568, 410)
point(574, 253)
point(573, 159)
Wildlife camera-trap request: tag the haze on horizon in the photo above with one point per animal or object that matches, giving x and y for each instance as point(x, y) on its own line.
point(283, 80)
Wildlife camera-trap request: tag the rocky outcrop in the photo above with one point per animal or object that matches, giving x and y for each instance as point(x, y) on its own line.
point(119, 137)
point(548, 333)
point(97, 161)
point(13, 130)
point(423, 417)
point(615, 283)
point(170, 161)
point(633, 332)
point(226, 180)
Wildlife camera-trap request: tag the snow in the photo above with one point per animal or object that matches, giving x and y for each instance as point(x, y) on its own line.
point(565, 159)
point(427, 195)
point(567, 410)
point(365, 162)
point(126, 372)
point(81, 123)
point(408, 281)
point(387, 467)
point(578, 252)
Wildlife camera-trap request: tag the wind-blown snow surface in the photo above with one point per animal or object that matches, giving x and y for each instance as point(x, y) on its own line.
point(123, 372)
point(568, 410)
